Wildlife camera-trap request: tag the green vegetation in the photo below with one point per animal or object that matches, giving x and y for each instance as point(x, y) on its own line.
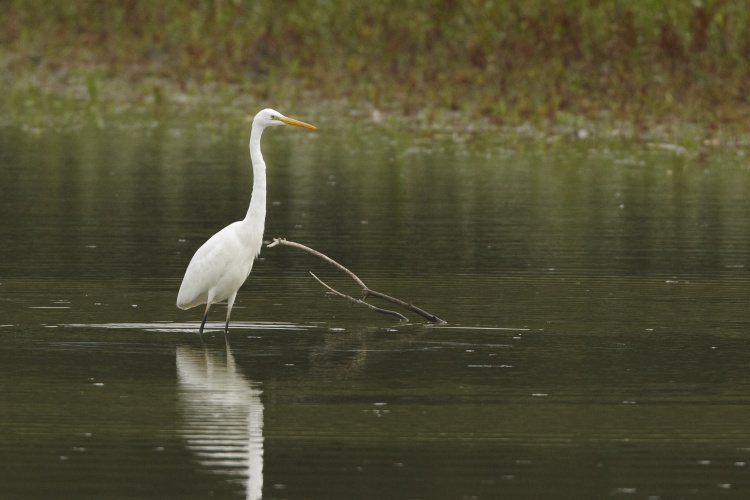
point(651, 66)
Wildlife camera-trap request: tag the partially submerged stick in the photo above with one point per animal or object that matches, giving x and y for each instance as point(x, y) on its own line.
point(360, 301)
point(366, 291)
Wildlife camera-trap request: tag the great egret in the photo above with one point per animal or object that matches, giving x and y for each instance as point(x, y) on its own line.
point(222, 264)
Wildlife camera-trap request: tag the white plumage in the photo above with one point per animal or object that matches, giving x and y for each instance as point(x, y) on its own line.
point(222, 264)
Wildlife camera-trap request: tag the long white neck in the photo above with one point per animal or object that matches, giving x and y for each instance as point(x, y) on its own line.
point(256, 212)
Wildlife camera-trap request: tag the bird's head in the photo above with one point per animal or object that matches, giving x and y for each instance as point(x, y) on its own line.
point(270, 118)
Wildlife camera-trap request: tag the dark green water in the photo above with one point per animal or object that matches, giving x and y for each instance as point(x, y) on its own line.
point(596, 294)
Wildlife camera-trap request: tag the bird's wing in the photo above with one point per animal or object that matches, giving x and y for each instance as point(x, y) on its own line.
point(209, 267)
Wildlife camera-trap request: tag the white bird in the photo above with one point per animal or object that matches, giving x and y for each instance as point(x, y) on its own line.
point(222, 264)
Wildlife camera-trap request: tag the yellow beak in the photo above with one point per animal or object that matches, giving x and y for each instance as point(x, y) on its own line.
point(296, 123)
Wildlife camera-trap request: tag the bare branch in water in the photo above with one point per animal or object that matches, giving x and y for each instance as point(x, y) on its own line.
point(360, 301)
point(366, 291)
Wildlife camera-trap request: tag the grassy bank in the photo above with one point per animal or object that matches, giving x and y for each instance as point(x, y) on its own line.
point(650, 65)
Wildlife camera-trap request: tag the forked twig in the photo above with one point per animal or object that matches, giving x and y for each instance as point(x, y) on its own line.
point(366, 291)
point(359, 301)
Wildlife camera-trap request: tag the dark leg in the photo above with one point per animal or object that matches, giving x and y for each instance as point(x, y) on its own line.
point(205, 316)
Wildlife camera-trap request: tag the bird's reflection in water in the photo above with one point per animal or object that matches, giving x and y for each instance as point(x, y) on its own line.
point(222, 416)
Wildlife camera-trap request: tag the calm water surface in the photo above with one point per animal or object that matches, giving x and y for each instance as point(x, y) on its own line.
point(595, 292)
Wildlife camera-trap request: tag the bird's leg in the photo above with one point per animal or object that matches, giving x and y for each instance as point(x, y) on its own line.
point(230, 303)
point(205, 316)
